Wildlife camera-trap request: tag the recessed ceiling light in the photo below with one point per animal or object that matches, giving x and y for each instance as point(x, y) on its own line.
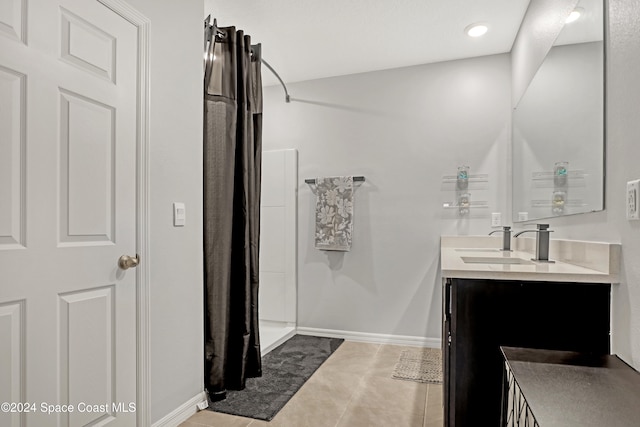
point(574, 15)
point(476, 30)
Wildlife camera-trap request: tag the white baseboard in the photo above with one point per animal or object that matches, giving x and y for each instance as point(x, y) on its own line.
point(373, 338)
point(181, 413)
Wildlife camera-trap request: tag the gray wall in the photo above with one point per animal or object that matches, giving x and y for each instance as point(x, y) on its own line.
point(176, 175)
point(403, 130)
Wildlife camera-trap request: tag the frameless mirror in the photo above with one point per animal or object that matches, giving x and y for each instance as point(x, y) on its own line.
point(558, 125)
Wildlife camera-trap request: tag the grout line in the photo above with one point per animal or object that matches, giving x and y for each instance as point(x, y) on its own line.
point(426, 405)
point(361, 380)
point(378, 350)
point(344, 411)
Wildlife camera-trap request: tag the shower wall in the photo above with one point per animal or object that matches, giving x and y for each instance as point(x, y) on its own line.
point(278, 247)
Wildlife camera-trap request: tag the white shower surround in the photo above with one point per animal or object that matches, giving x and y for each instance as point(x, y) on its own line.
point(277, 301)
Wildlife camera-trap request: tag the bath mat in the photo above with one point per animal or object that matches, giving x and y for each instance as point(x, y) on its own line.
point(423, 365)
point(284, 370)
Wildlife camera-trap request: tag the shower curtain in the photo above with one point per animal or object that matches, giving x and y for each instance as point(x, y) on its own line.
point(232, 166)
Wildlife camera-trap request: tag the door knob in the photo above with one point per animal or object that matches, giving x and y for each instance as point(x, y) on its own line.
point(126, 262)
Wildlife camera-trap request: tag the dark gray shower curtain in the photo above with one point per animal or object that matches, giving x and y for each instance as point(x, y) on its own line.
point(232, 167)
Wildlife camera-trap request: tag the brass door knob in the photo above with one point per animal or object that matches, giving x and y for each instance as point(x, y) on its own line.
point(125, 262)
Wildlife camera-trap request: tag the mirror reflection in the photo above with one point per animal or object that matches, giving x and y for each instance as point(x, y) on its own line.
point(558, 125)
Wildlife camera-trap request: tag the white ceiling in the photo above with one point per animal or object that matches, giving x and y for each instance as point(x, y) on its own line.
point(310, 39)
point(588, 28)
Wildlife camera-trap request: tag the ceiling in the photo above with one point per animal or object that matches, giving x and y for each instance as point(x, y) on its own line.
point(311, 39)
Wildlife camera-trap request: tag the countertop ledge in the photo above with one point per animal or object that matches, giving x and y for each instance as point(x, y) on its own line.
point(575, 260)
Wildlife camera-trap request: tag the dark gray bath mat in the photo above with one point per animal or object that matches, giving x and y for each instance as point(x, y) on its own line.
point(423, 365)
point(284, 370)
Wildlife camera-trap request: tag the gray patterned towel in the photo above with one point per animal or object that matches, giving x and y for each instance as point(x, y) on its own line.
point(334, 213)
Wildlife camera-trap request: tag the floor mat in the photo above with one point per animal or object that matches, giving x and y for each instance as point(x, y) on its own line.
point(423, 365)
point(284, 370)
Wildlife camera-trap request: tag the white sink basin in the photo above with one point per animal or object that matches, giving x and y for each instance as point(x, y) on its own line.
point(478, 250)
point(494, 260)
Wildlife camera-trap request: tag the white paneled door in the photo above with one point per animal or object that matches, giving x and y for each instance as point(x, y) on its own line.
point(68, 135)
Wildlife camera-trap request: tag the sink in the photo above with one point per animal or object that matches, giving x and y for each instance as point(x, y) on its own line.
point(494, 260)
point(478, 250)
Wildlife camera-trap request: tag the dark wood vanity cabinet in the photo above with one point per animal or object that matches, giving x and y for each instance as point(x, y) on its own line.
point(482, 315)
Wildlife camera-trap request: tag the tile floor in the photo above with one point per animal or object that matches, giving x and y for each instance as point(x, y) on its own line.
point(352, 388)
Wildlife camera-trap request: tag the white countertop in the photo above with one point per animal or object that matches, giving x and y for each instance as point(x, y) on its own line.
point(575, 261)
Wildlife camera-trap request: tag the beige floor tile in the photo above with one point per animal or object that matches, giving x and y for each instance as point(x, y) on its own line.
point(434, 397)
point(306, 410)
point(433, 423)
point(329, 385)
point(385, 361)
point(392, 350)
point(215, 419)
point(382, 393)
point(352, 348)
point(434, 411)
point(351, 357)
point(366, 416)
point(359, 346)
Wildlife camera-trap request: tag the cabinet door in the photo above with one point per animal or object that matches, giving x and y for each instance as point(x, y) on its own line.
point(487, 314)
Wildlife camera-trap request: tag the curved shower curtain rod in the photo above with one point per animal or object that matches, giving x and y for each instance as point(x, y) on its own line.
point(214, 28)
point(287, 98)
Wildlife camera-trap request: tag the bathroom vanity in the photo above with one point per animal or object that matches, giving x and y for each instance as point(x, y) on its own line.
point(494, 298)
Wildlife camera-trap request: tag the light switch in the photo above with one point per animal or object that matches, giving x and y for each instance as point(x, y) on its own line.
point(179, 214)
point(633, 187)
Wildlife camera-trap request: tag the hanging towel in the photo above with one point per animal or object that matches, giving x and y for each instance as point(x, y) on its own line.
point(334, 213)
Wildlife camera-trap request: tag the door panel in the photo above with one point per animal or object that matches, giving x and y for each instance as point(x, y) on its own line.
point(87, 175)
point(13, 18)
point(68, 212)
point(87, 316)
point(12, 373)
point(12, 168)
point(87, 46)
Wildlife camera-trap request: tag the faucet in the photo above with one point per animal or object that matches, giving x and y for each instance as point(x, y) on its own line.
point(542, 242)
point(506, 237)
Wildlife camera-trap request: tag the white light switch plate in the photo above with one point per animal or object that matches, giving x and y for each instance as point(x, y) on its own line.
point(179, 215)
point(633, 187)
point(496, 219)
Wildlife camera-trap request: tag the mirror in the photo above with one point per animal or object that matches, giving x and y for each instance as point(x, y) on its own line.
point(558, 125)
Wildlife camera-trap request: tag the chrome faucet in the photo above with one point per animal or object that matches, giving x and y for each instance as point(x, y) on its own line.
point(506, 237)
point(542, 242)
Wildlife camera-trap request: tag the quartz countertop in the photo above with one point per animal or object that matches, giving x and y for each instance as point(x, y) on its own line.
point(575, 261)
